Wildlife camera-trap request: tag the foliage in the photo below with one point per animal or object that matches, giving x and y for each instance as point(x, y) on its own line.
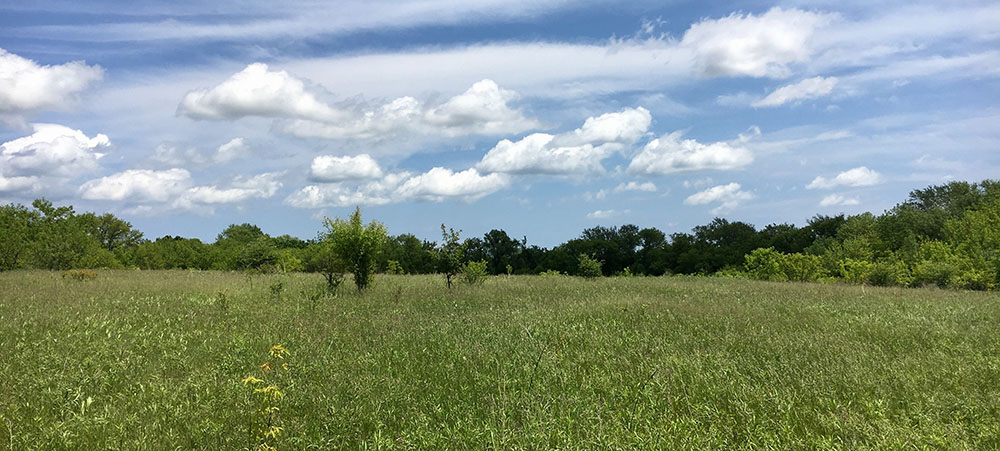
point(357, 245)
point(474, 273)
point(450, 253)
point(588, 267)
point(764, 264)
point(393, 267)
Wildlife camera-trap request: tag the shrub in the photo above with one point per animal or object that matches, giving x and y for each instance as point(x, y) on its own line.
point(80, 275)
point(856, 271)
point(764, 264)
point(474, 272)
point(550, 273)
point(801, 267)
point(889, 273)
point(394, 267)
point(588, 268)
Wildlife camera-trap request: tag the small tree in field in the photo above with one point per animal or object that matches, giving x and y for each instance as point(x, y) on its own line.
point(588, 267)
point(357, 245)
point(450, 253)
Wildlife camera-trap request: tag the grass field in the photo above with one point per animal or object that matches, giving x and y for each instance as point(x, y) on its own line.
point(156, 360)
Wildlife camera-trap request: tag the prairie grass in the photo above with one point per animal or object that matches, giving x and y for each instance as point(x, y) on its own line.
point(154, 360)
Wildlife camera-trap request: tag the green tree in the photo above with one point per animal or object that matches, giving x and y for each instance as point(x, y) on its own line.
point(16, 234)
point(450, 253)
point(111, 232)
point(357, 245)
point(588, 267)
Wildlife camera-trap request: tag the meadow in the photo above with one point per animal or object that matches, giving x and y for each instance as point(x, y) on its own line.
point(185, 359)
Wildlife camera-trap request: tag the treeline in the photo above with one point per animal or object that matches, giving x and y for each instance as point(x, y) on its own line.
point(947, 235)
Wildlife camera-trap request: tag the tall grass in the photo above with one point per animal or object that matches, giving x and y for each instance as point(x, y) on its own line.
point(153, 360)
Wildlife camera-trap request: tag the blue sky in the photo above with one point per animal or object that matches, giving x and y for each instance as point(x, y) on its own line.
point(540, 118)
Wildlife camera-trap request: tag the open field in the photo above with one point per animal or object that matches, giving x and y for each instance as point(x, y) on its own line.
point(155, 360)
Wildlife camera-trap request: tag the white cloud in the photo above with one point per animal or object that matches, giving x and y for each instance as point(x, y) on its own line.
point(436, 185)
point(809, 88)
point(483, 109)
point(669, 154)
point(138, 185)
point(728, 196)
point(860, 176)
point(837, 199)
point(622, 127)
point(375, 192)
point(162, 191)
point(26, 86)
point(534, 154)
point(574, 153)
point(606, 214)
point(12, 184)
point(327, 168)
point(52, 151)
point(256, 91)
point(169, 155)
point(261, 186)
point(751, 45)
point(231, 150)
point(440, 183)
point(648, 187)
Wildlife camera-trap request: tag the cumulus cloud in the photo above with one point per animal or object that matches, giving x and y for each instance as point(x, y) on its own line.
point(435, 185)
point(605, 214)
point(327, 168)
point(648, 187)
point(26, 86)
point(169, 155)
point(138, 185)
point(574, 153)
point(859, 176)
point(838, 199)
point(12, 184)
point(483, 109)
point(749, 45)
point(256, 91)
point(52, 151)
point(376, 192)
point(728, 196)
point(174, 188)
point(231, 150)
point(809, 88)
point(261, 186)
point(440, 183)
point(670, 154)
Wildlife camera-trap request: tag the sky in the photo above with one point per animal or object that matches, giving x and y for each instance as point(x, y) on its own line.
point(541, 118)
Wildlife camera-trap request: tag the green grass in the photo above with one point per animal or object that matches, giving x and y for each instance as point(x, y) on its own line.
point(151, 360)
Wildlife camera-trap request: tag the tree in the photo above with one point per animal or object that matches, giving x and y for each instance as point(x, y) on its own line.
point(16, 234)
point(588, 267)
point(450, 253)
point(111, 232)
point(357, 245)
point(320, 257)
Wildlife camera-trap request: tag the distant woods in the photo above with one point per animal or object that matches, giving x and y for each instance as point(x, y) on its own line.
point(946, 235)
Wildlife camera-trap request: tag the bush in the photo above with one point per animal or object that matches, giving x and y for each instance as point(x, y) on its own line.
point(764, 264)
point(856, 271)
point(890, 273)
point(394, 268)
point(550, 273)
point(474, 272)
point(588, 268)
point(801, 267)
